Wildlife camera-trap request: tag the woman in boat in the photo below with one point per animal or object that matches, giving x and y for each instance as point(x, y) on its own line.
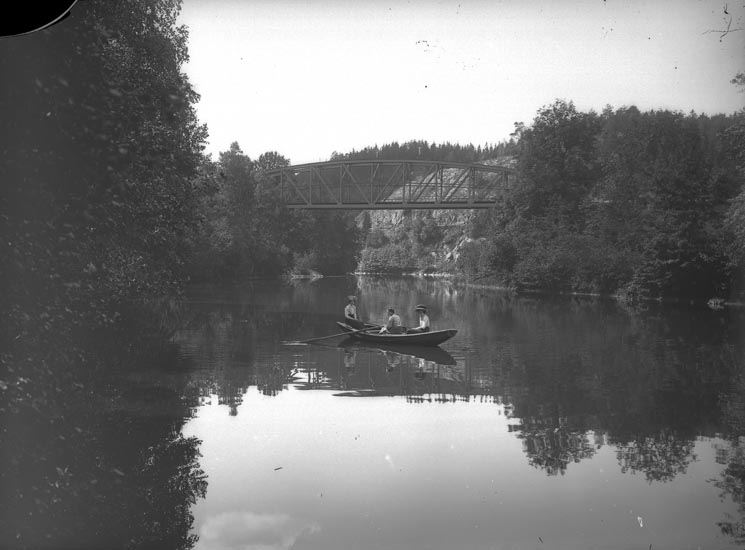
point(393, 326)
point(423, 320)
point(350, 314)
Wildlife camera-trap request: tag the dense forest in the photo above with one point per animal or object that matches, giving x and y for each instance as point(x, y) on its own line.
point(637, 205)
point(110, 207)
point(642, 205)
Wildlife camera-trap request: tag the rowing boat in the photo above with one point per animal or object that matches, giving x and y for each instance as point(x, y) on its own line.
point(431, 338)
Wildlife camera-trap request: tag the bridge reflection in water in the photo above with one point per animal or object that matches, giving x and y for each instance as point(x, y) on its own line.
point(391, 184)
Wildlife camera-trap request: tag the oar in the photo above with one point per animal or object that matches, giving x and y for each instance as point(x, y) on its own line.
point(332, 335)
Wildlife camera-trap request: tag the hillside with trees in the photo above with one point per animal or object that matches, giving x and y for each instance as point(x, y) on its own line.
point(624, 202)
point(638, 205)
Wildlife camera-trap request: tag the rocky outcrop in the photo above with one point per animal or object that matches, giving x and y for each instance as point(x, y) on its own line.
point(435, 237)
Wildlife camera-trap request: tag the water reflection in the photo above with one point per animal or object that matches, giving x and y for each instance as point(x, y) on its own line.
point(576, 381)
point(238, 530)
point(536, 402)
point(551, 448)
point(732, 454)
point(560, 365)
point(97, 459)
point(434, 354)
point(660, 457)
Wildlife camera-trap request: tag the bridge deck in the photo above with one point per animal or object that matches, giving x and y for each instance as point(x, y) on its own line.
point(388, 184)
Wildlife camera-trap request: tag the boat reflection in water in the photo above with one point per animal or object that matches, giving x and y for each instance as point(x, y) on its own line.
point(420, 373)
point(574, 423)
point(434, 354)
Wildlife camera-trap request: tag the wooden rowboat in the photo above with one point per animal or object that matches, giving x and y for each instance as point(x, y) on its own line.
point(431, 338)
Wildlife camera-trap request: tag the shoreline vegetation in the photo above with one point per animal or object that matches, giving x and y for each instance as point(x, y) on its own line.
point(638, 206)
point(456, 279)
point(111, 207)
point(110, 201)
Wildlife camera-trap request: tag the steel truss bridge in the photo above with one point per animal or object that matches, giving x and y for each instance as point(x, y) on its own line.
point(391, 185)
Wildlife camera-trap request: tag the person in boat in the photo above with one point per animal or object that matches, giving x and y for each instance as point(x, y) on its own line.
point(350, 314)
point(421, 311)
point(393, 326)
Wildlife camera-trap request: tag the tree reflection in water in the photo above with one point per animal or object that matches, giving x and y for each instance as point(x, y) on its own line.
point(660, 457)
point(732, 481)
point(93, 455)
point(553, 447)
point(650, 384)
point(732, 485)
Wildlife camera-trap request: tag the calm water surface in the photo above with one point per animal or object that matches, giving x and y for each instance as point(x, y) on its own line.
point(545, 423)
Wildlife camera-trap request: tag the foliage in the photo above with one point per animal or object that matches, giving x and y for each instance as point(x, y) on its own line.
point(305, 262)
point(639, 204)
point(390, 258)
point(376, 238)
point(335, 236)
point(673, 208)
point(102, 184)
point(425, 230)
point(468, 259)
point(734, 151)
point(423, 150)
point(101, 188)
point(251, 233)
point(557, 162)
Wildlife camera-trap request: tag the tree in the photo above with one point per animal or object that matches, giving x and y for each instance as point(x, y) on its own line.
point(270, 161)
point(661, 202)
point(104, 149)
point(557, 162)
point(734, 148)
point(101, 186)
point(248, 219)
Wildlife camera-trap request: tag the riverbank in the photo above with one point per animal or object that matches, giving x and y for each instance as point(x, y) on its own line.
point(712, 303)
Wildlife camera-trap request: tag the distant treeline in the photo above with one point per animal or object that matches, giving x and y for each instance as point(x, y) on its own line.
point(423, 150)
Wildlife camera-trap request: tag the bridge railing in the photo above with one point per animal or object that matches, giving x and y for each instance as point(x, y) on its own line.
point(388, 184)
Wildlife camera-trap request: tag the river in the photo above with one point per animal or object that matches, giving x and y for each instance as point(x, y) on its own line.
point(564, 423)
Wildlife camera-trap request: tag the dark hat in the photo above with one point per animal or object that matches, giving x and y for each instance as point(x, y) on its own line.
point(420, 307)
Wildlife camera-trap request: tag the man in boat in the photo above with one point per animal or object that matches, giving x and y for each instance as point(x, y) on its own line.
point(423, 320)
point(393, 326)
point(350, 314)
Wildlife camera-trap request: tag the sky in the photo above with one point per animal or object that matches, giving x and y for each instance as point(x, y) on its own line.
point(310, 78)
